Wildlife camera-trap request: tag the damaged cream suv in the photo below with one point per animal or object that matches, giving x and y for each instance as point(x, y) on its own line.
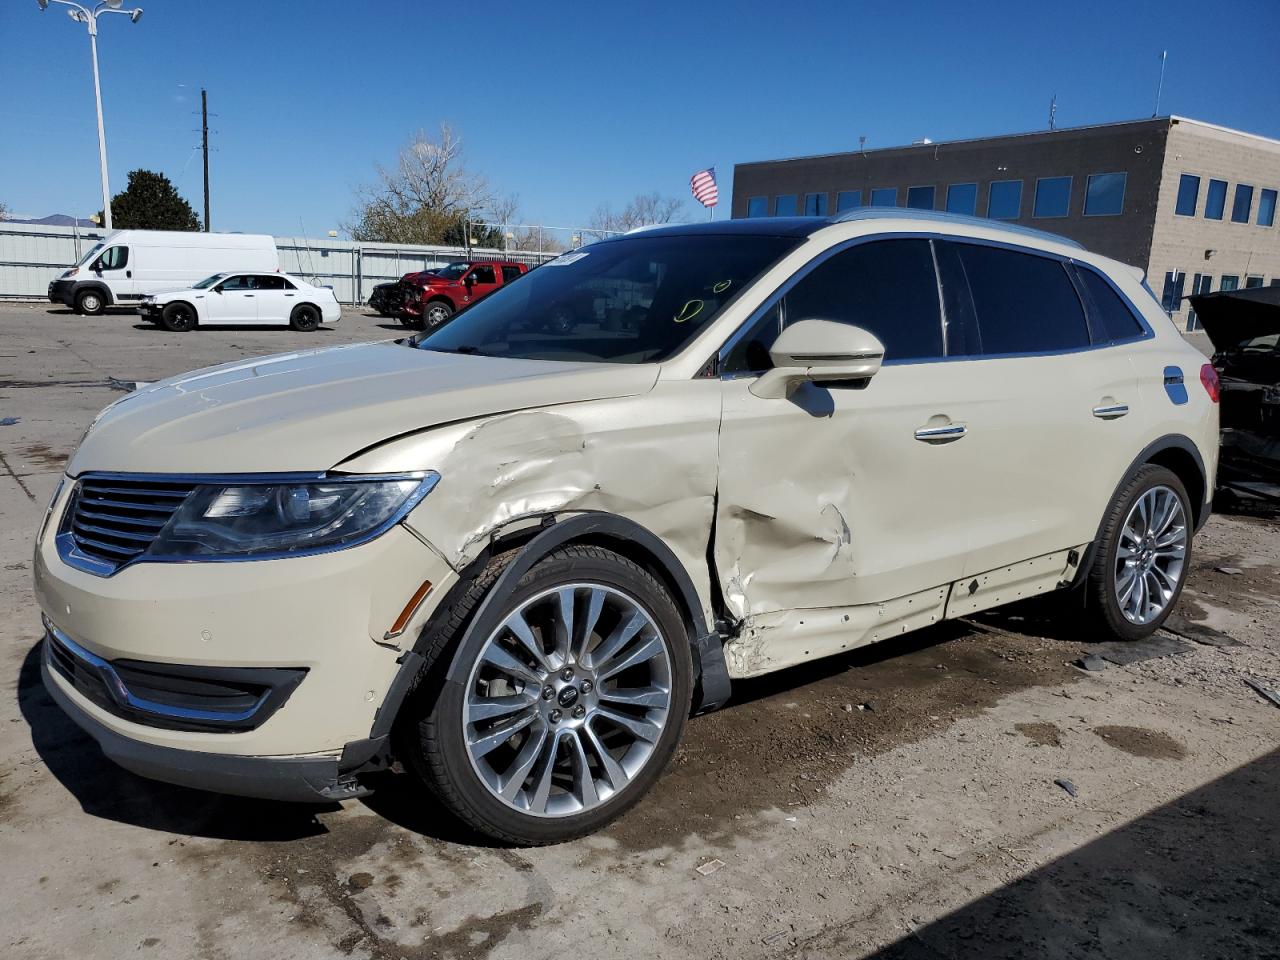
point(516, 554)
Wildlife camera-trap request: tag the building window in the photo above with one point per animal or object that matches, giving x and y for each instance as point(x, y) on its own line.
point(815, 204)
point(1104, 194)
point(1266, 208)
point(757, 206)
point(1053, 197)
point(920, 198)
point(962, 198)
point(785, 205)
point(1242, 204)
point(1251, 282)
point(1215, 200)
point(1172, 299)
point(884, 197)
point(1005, 200)
point(848, 200)
point(1188, 195)
point(1229, 283)
point(1200, 283)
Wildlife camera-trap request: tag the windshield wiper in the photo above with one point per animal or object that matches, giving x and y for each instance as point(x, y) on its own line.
point(465, 349)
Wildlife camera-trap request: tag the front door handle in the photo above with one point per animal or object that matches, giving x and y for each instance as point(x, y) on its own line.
point(249, 295)
point(1111, 411)
point(129, 274)
point(941, 434)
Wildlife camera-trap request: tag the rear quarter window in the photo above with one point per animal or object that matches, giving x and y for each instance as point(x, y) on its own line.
point(1111, 315)
point(1023, 303)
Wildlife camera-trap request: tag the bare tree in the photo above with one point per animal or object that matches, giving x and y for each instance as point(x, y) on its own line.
point(425, 197)
point(4, 211)
point(643, 210)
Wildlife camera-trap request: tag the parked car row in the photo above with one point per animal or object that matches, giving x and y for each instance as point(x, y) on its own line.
point(183, 280)
point(428, 298)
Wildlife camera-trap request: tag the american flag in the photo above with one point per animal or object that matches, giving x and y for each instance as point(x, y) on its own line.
point(703, 184)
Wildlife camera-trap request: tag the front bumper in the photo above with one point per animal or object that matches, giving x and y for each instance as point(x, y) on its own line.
point(328, 614)
point(60, 291)
point(306, 779)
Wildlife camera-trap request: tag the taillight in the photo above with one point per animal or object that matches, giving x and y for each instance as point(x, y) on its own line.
point(1212, 386)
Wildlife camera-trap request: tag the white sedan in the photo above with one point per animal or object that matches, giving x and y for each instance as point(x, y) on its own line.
point(243, 299)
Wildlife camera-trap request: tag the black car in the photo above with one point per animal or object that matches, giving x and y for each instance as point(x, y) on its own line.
point(1244, 326)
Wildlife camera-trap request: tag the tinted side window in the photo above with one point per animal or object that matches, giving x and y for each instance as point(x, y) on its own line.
point(1024, 303)
point(236, 283)
point(510, 273)
point(269, 282)
point(484, 275)
point(887, 287)
point(1111, 315)
point(114, 258)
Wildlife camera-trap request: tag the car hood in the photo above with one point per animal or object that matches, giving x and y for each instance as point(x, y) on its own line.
point(1233, 316)
point(311, 410)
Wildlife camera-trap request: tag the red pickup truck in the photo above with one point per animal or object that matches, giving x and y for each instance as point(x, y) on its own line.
point(442, 293)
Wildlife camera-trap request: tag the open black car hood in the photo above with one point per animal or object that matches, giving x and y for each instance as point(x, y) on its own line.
point(1233, 316)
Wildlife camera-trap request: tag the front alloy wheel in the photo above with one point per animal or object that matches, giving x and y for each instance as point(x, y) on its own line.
point(562, 715)
point(567, 700)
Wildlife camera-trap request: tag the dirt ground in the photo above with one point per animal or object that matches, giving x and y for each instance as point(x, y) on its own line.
point(962, 791)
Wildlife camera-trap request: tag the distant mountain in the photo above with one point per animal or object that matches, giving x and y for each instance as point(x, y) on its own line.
point(56, 220)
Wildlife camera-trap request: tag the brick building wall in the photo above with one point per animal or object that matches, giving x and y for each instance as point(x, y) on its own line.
point(1197, 245)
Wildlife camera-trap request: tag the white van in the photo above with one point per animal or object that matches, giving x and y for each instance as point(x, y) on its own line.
point(129, 264)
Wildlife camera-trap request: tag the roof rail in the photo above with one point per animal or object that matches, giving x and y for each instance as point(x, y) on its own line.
point(911, 213)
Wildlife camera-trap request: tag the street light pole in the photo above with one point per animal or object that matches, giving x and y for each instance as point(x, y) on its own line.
point(90, 18)
point(102, 134)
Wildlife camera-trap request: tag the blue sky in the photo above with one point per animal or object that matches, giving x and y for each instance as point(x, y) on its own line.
point(574, 104)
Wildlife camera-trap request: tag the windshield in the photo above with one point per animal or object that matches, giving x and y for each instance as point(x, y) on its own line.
point(635, 300)
point(97, 249)
point(208, 282)
point(452, 272)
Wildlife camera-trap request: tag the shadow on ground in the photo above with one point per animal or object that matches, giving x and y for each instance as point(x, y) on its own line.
point(1197, 877)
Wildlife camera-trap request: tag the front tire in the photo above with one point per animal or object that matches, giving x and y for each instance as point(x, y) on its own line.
point(1143, 556)
point(566, 714)
point(178, 317)
point(91, 303)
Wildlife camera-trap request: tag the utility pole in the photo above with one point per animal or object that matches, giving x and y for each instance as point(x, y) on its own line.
point(204, 138)
point(1053, 111)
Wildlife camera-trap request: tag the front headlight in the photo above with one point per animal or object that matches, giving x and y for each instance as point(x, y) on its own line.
point(253, 518)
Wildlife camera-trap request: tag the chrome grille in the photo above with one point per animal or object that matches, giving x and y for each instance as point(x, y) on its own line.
point(115, 519)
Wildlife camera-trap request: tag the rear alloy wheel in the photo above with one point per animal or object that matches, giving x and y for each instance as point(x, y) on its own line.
point(436, 312)
point(305, 318)
point(568, 709)
point(91, 303)
point(1142, 558)
point(178, 317)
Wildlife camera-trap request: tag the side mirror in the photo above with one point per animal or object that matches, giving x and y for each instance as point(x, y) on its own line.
point(469, 281)
point(818, 351)
point(218, 288)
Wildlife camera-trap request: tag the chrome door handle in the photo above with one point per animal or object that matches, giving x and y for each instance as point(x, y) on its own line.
point(1113, 411)
point(941, 434)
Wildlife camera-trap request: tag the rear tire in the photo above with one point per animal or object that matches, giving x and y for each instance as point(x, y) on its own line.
point(305, 318)
point(178, 317)
point(1142, 558)
point(553, 767)
point(91, 303)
